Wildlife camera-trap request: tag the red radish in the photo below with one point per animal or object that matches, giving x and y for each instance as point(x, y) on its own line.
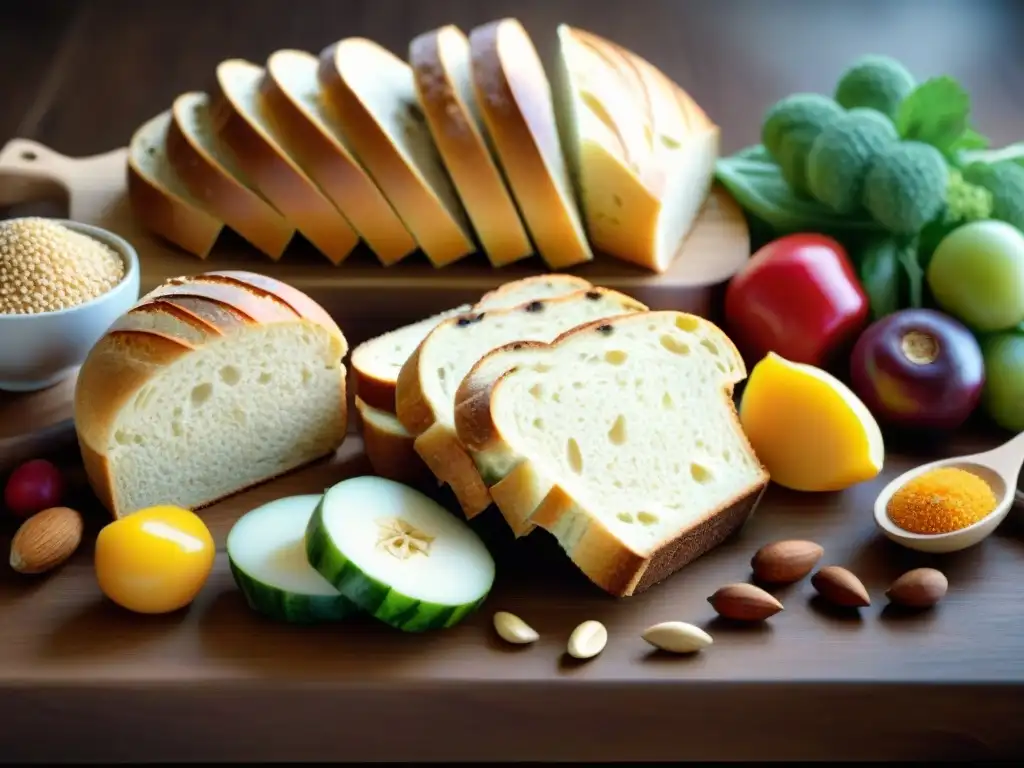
point(32, 487)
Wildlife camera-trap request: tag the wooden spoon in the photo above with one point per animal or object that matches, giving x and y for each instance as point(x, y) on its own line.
point(999, 467)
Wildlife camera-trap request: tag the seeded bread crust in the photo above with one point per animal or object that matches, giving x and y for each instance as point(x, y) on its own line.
point(525, 496)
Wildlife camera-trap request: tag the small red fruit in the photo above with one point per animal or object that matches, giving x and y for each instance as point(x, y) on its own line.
point(32, 487)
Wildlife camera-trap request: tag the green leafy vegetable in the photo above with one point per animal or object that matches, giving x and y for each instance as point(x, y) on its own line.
point(936, 113)
point(1013, 153)
point(879, 274)
point(915, 274)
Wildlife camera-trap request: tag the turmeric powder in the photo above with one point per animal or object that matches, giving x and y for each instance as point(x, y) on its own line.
point(941, 501)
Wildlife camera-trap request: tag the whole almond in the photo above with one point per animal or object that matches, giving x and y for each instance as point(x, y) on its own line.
point(840, 587)
point(744, 602)
point(46, 540)
point(512, 629)
point(677, 637)
point(919, 588)
point(783, 562)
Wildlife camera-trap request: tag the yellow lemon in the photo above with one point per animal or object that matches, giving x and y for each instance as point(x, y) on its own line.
point(809, 429)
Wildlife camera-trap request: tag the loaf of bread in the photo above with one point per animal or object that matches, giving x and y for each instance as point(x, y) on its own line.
point(641, 151)
point(375, 95)
point(309, 129)
point(213, 175)
point(427, 383)
point(620, 439)
point(441, 65)
point(515, 101)
point(160, 199)
point(244, 124)
point(207, 386)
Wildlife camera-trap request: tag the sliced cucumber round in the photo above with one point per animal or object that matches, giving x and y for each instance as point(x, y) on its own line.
point(268, 561)
point(398, 554)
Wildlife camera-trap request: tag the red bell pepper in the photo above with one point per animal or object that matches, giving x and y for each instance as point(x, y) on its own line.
point(799, 297)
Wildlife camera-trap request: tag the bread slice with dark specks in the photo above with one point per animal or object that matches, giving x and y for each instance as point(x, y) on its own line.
point(623, 442)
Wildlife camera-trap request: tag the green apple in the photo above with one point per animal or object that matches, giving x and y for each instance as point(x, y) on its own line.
point(1003, 396)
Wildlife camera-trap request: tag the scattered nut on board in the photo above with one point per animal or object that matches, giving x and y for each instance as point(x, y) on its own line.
point(46, 540)
point(744, 602)
point(919, 588)
point(512, 629)
point(587, 640)
point(677, 637)
point(785, 562)
point(840, 587)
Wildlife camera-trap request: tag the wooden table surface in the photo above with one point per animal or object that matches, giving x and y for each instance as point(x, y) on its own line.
point(81, 680)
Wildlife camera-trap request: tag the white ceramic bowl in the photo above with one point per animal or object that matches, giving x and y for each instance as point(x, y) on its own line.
point(39, 350)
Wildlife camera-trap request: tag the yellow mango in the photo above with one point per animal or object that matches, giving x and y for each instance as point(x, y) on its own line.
point(809, 429)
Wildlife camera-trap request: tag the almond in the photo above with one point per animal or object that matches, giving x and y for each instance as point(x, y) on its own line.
point(46, 540)
point(588, 640)
point(783, 562)
point(677, 637)
point(840, 587)
point(512, 629)
point(744, 602)
point(919, 588)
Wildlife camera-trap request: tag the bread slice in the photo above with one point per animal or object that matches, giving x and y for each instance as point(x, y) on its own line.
point(159, 198)
point(375, 95)
point(640, 149)
point(214, 177)
point(389, 447)
point(246, 126)
point(625, 442)
point(207, 386)
point(441, 66)
point(310, 132)
point(515, 102)
point(425, 395)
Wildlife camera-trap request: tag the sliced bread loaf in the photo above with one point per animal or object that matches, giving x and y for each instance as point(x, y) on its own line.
point(160, 199)
point(625, 443)
point(245, 125)
point(389, 447)
point(427, 383)
point(374, 93)
point(640, 149)
point(212, 174)
point(207, 386)
point(441, 65)
point(310, 131)
point(515, 102)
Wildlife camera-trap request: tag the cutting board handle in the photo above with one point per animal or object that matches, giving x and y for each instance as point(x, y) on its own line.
point(30, 172)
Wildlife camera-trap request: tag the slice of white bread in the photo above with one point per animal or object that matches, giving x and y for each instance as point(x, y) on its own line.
point(245, 125)
point(441, 66)
point(427, 383)
point(310, 132)
point(160, 199)
point(641, 151)
point(374, 93)
point(212, 174)
point(515, 102)
point(209, 385)
point(376, 364)
point(625, 441)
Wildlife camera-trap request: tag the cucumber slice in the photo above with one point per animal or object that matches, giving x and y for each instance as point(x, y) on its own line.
point(268, 561)
point(398, 554)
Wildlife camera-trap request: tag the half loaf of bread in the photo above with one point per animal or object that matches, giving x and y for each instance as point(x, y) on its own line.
point(624, 442)
point(207, 386)
point(427, 383)
point(641, 151)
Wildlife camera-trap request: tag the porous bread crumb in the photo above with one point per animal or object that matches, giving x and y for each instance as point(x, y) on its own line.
point(45, 267)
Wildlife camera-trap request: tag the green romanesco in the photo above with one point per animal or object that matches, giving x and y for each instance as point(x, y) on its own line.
point(877, 82)
point(906, 186)
point(790, 128)
point(965, 202)
point(1005, 180)
point(841, 155)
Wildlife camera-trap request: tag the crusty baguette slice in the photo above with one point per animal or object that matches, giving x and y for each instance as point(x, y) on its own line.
point(310, 131)
point(427, 383)
point(246, 126)
point(441, 65)
point(640, 149)
point(389, 447)
point(160, 199)
point(212, 174)
point(515, 102)
point(207, 386)
point(375, 96)
point(624, 442)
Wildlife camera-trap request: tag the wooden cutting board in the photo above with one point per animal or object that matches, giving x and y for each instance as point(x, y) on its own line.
point(364, 297)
